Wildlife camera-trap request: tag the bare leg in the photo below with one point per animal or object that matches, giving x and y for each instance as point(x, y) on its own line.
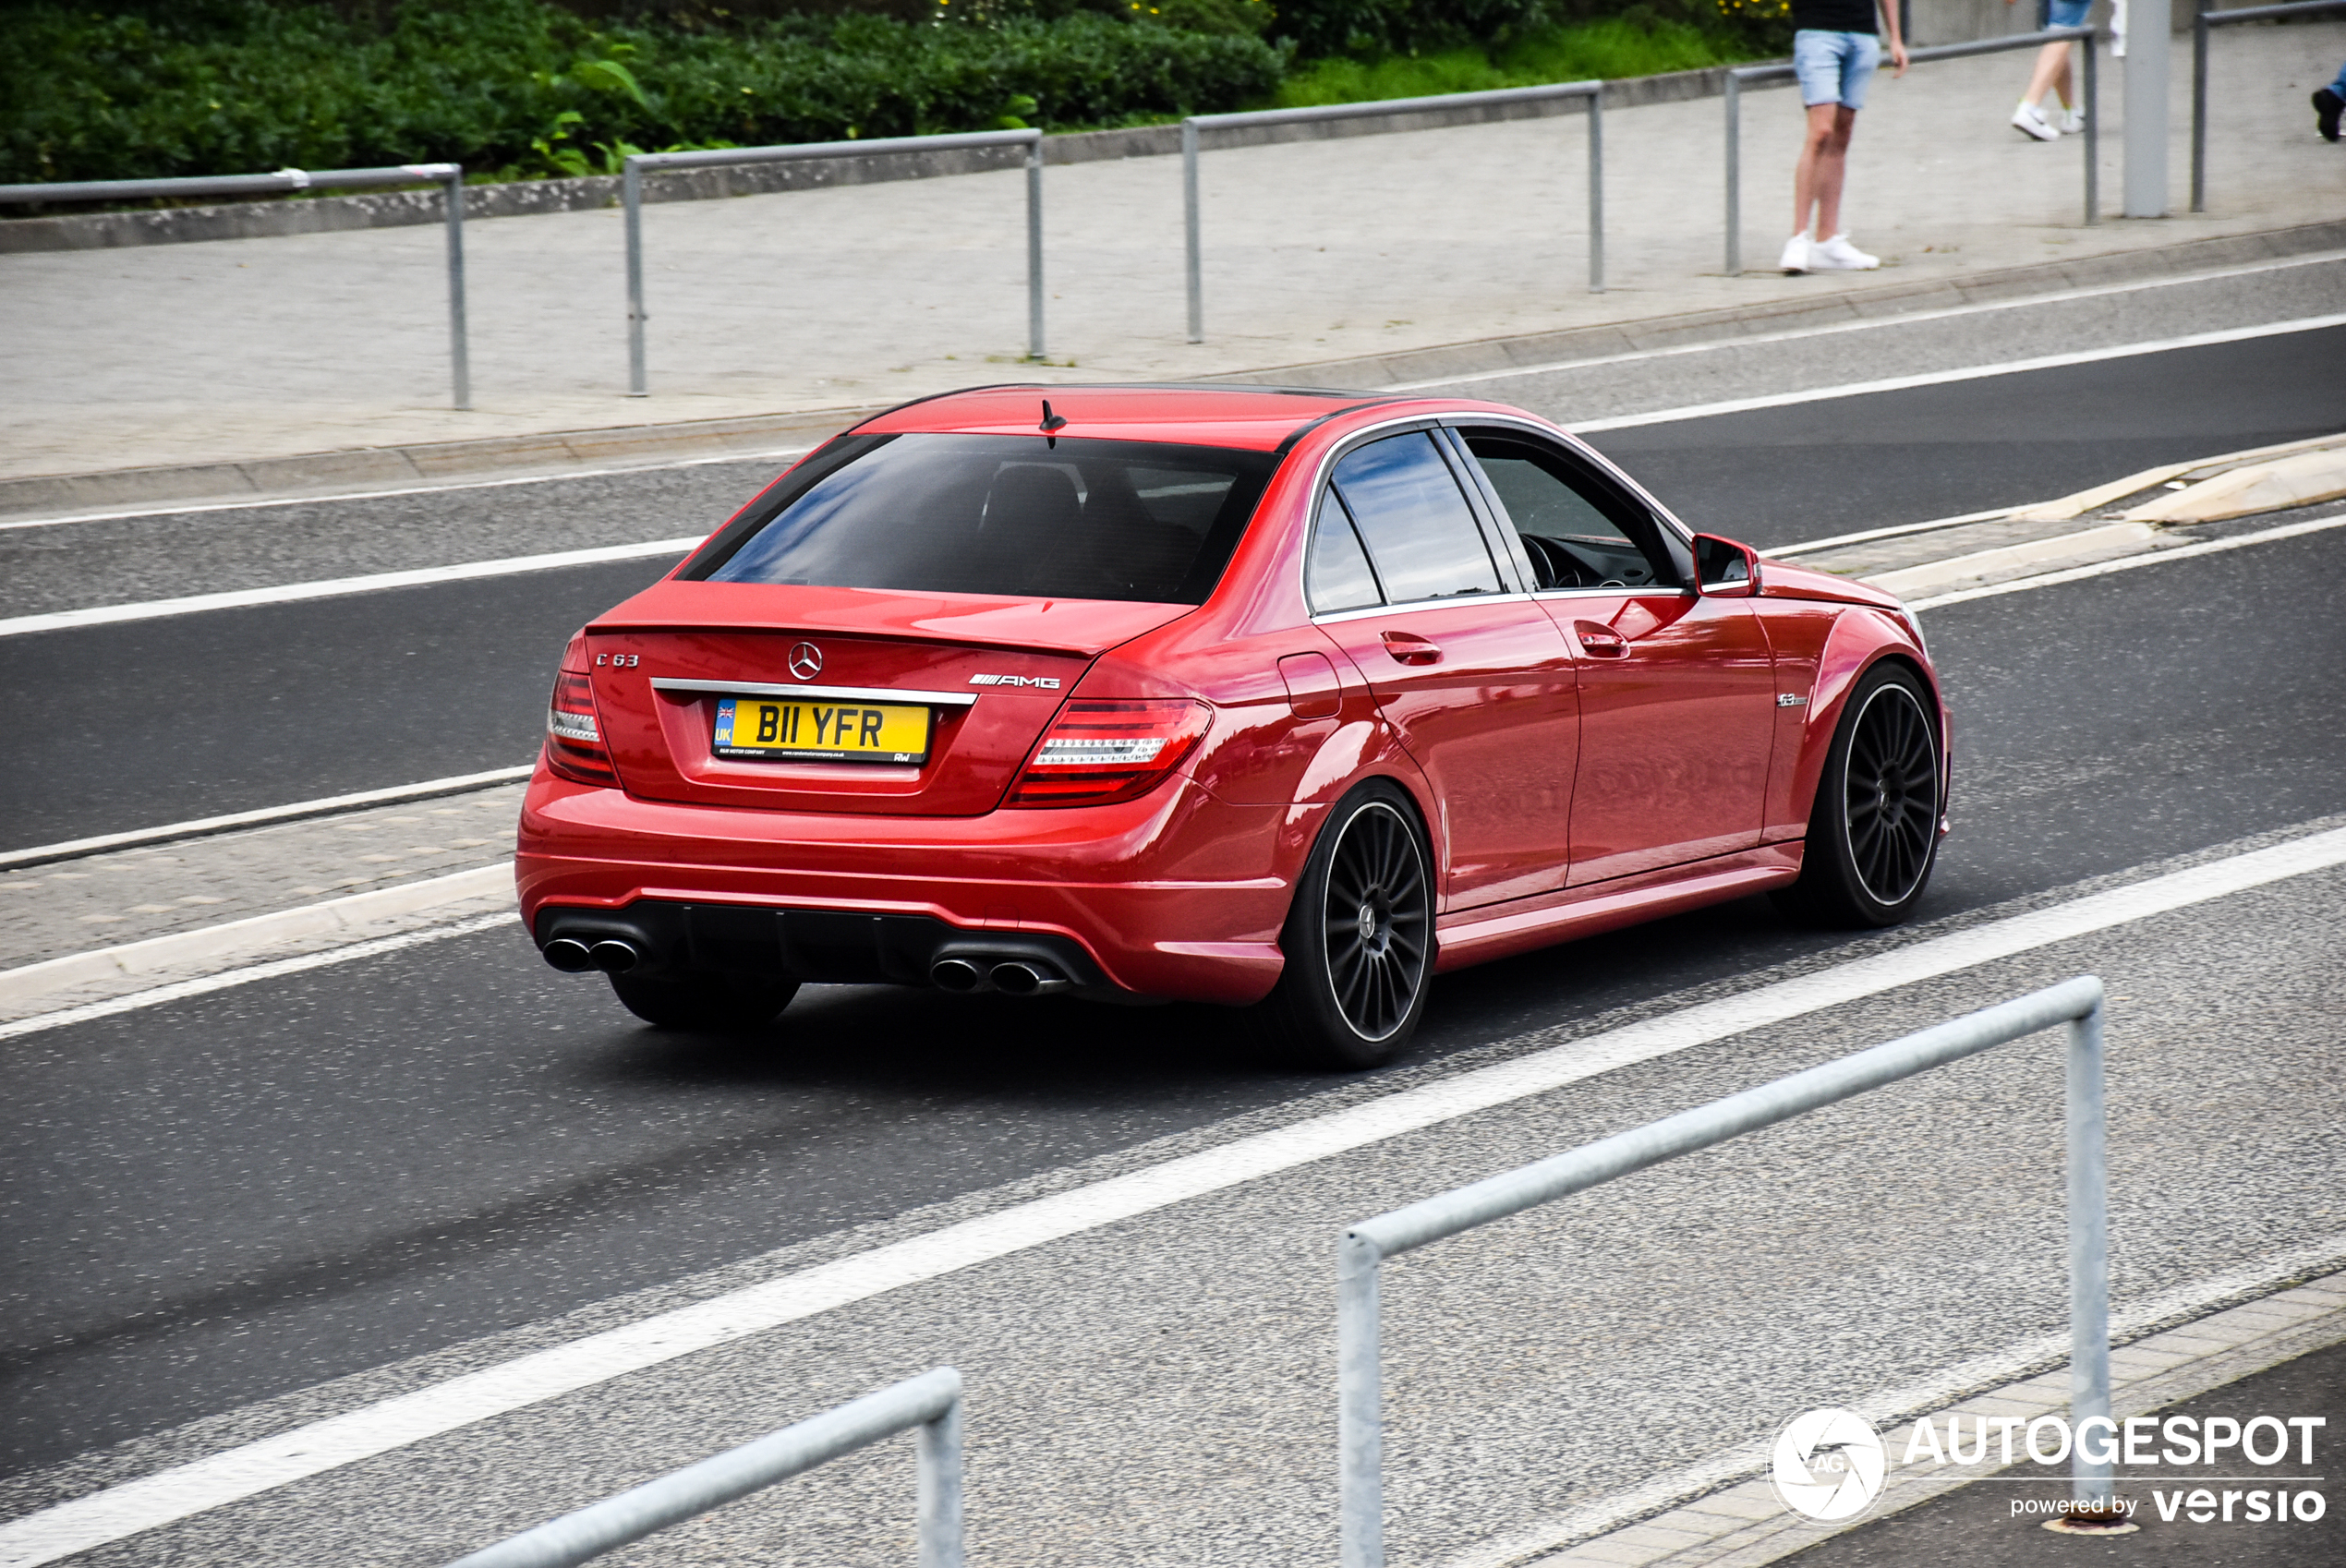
point(1827, 158)
point(2052, 66)
point(1815, 179)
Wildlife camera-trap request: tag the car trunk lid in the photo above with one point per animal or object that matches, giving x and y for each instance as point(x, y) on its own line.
point(840, 679)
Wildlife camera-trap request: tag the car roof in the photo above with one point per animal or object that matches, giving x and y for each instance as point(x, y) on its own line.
point(1255, 417)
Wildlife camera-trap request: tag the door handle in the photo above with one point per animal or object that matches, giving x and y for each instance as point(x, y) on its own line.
point(1600, 642)
point(1407, 648)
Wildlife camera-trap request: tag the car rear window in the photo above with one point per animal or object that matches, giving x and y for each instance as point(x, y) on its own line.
point(1023, 517)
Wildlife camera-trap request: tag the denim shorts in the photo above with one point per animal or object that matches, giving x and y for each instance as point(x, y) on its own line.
point(1833, 68)
point(2067, 13)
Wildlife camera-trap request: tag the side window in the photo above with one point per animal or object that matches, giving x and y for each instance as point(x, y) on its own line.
point(1336, 574)
point(1574, 542)
point(1420, 536)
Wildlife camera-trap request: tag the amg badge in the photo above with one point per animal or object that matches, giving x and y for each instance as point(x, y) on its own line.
point(1046, 683)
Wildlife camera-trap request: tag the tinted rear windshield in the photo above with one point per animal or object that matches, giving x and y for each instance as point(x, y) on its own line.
point(1014, 516)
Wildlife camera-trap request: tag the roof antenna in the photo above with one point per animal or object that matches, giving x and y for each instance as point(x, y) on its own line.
point(1052, 425)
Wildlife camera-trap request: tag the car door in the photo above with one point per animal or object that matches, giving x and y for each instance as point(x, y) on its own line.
point(1677, 691)
point(1471, 674)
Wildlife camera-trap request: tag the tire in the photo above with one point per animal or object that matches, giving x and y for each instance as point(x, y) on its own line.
point(1873, 834)
point(714, 1004)
point(1359, 938)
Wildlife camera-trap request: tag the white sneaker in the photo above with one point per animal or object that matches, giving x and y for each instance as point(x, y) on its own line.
point(2028, 120)
point(1838, 255)
point(2071, 121)
point(1797, 256)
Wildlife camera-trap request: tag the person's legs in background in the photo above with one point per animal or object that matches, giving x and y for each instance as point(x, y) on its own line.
point(2328, 104)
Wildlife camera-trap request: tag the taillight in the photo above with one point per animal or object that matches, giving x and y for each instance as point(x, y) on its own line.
point(1098, 752)
point(574, 738)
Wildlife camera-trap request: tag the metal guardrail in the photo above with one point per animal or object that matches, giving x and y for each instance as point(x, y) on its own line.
point(450, 176)
point(1195, 124)
point(931, 1402)
point(2201, 24)
point(1782, 71)
point(632, 195)
point(2076, 1002)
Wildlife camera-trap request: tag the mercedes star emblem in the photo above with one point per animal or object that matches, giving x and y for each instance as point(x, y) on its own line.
point(806, 661)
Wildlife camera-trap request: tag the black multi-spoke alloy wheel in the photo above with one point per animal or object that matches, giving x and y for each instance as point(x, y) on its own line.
point(1359, 938)
point(715, 1003)
point(1874, 833)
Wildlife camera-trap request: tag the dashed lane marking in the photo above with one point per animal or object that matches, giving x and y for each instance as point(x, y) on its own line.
point(185, 1489)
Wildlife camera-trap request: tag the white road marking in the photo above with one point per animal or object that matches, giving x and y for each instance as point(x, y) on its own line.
point(1941, 378)
point(1811, 547)
point(185, 1489)
point(2128, 562)
point(289, 593)
point(187, 509)
point(347, 916)
point(200, 827)
point(1873, 324)
point(179, 991)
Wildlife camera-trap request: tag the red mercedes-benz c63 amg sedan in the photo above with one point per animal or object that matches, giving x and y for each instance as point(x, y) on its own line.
point(1286, 700)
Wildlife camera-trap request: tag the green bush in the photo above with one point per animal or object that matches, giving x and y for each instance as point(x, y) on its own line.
point(201, 87)
point(1609, 49)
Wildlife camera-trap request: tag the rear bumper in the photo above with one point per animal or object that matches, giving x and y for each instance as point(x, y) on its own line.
point(1177, 895)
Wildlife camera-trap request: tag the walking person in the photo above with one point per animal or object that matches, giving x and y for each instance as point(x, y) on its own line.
point(2052, 74)
point(2329, 103)
point(1835, 46)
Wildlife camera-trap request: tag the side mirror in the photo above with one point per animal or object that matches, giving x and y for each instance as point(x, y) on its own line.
point(1723, 569)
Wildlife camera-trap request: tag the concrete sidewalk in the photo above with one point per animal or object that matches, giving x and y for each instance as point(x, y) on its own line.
point(1315, 252)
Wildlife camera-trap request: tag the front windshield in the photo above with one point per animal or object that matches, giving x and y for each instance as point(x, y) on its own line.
point(1022, 516)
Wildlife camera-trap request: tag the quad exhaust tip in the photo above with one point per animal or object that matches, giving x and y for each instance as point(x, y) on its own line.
point(612, 955)
point(956, 974)
point(1018, 978)
point(569, 955)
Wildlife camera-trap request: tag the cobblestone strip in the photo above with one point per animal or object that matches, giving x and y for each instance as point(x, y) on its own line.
point(132, 895)
point(1744, 1525)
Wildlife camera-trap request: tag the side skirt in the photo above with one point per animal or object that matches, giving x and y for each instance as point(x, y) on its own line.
point(1476, 937)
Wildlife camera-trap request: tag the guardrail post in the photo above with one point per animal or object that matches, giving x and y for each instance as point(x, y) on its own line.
point(2093, 133)
point(1034, 249)
point(1189, 236)
point(1359, 1419)
point(631, 185)
point(459, 357)
point(2145, 180)
point(2088, 1255)
point(1596, 191)
point(2199, 107)
point(939, 1483)
point(1733, 96)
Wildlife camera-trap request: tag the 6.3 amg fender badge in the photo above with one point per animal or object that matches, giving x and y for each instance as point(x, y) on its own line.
point(1044, 682)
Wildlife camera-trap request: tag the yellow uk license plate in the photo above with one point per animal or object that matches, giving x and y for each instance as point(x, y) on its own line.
point(781, 730)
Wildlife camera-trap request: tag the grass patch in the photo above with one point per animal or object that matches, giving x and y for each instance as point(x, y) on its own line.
point(1609, 49)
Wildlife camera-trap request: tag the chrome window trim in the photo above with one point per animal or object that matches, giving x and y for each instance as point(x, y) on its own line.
point(1615, 593)
point(837, 693)
point(1318, 488)
point(1414, 605)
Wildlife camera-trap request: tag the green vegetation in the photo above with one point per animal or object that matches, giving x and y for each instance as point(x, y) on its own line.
point(1609, 49)
point(525, 89)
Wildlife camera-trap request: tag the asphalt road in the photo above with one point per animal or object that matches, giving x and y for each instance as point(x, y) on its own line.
point(216, 1201)
point(122, 726)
